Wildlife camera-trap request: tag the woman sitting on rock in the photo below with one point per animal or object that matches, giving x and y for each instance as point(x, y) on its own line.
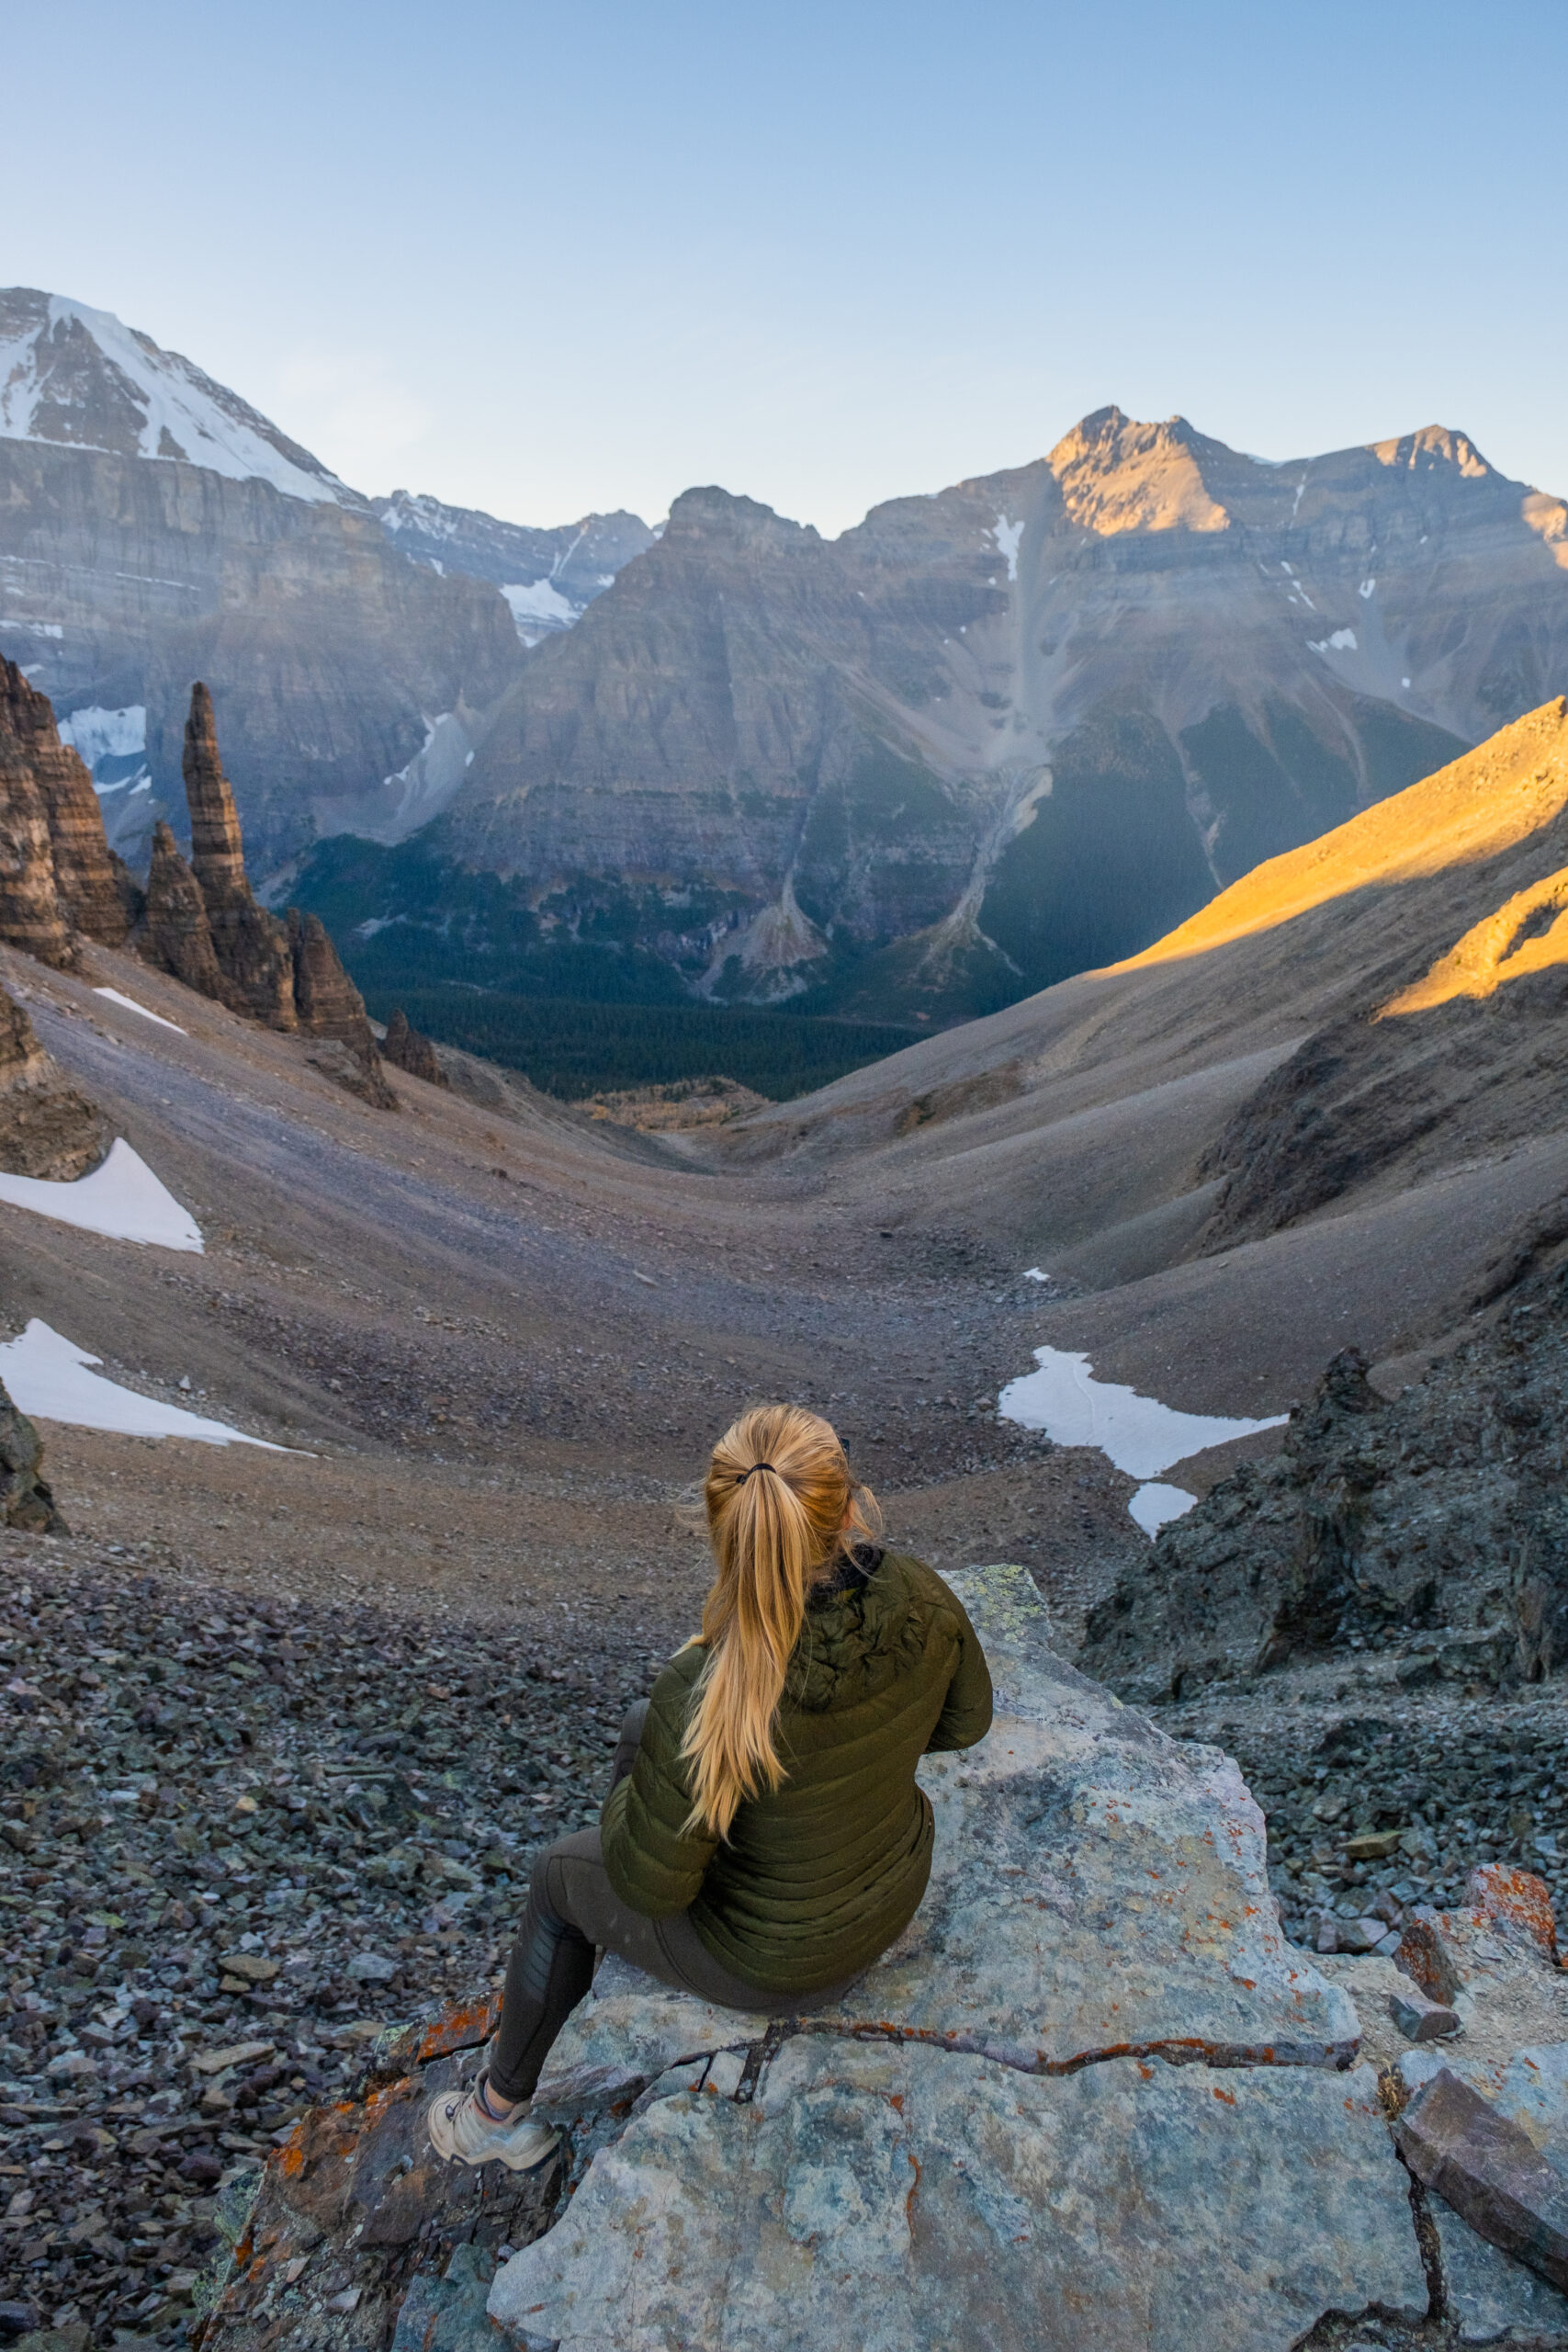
point(765, 1839)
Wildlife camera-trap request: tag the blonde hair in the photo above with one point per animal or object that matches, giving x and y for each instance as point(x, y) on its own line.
point(781, 1509)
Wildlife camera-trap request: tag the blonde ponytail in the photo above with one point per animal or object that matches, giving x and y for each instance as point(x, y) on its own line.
point(781, 1508)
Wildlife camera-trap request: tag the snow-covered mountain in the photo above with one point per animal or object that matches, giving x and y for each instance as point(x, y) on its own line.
point(355, 651)
point(79, 377)
point(549, 577)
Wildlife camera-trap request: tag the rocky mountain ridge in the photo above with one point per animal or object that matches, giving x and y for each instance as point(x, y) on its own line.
point(155, 525)
point(548, 578)
point(994, 736)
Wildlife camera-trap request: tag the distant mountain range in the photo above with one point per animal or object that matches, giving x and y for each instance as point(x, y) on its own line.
point(985, 739)
point(154, 527)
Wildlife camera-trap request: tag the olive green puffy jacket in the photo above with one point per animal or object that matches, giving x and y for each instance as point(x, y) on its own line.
point(818, 1878)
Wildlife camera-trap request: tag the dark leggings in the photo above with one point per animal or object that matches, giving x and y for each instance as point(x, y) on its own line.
point(572, 1908)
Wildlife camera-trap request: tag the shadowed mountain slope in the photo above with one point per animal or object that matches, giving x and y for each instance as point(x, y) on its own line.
point(990, 738)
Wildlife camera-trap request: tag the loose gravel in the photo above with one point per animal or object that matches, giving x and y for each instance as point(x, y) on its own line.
point(237, 1836)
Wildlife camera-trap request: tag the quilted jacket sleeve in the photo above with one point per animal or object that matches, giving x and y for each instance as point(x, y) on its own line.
point(966, 1716)
point(654, 1863)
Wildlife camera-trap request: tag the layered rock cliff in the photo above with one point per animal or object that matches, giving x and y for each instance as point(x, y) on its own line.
point(990, 738)
point(58, 875)
point(154, 527)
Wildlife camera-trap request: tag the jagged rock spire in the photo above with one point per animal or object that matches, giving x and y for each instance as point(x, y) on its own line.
point(407, 1049)
point(325, 1000)
point(175, 933)
point(33, 915)
point(94, 888)
point(250, 946)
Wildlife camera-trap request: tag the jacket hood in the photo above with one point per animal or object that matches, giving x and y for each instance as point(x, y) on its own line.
point(860, 1633)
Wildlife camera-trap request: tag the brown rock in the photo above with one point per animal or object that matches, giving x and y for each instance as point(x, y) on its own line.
point(32, 913)
point(175, 932)
point(26, 1500)
point(250, 946)
point(407, 1049)
point(1489, 2170)
point(95, 888)
point(326, 1002)
point(47, 1129)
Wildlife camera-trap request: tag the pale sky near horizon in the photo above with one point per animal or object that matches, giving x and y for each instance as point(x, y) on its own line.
point(542, 259)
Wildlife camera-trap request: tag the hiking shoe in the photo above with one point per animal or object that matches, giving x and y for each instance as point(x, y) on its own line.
point(461, 2131)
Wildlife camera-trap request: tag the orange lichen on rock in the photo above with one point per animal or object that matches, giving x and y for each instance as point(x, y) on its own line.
point(1476, 808)
point(1527, 933)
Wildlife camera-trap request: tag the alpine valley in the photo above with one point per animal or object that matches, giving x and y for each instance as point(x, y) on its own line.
point(985, 740)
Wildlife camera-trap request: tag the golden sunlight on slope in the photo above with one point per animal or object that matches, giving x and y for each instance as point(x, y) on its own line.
point(1548, 518)
point(1118, 475)
point(1528, 933)
point(1495, 796)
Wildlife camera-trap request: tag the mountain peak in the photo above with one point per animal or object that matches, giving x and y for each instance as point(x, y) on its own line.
point(1436, 448)
point(1118, 475)
point(81, 379)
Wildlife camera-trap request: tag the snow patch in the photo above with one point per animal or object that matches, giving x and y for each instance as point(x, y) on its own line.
point(1343, 640)
point(1155, 1507)
point(1365, 590)
point(120, 1199)
point(1008, 537)
point(538, 606)
point(71, 373)
point(1139, 1434)
point(130, 1005)
point(1035, 1275)
point(96, 734)
point(48, 1377)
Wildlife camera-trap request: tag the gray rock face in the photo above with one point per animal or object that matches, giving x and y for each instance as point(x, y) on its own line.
point(47, 1129)
point(1436, 1519)
point(549, 577)
point(997, 2129)
point(939, 730)
point(134, 558)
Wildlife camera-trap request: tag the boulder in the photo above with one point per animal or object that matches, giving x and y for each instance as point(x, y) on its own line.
point(251, 944)
point(25, 1500)
point(1092, 2091)
point(47, 1129)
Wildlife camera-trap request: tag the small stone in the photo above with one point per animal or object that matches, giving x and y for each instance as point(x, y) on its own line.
point(1490, 2171)
point(348, 2301)
point(1361, 1934)
point(251, 1965)
point(1418, 2019)
point(1373, 1845)
point(238, 2053)
point(70, 2066)
point(371, 1968)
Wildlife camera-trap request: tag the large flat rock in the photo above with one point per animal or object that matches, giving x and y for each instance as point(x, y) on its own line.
point(1098, 1889)
point(880, 2195)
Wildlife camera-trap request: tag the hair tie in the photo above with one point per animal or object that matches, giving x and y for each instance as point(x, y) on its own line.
point(744, 1474)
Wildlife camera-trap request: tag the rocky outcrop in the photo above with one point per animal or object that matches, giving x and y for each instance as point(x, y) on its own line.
point(1435, 1523)
point(549, 577)
point(326, 1002)
point(252, 946)
point(174, 934)
point(27, 1501)
point(31, 914)
point(409, 1049)
point(94, 887)
point(47, 1129)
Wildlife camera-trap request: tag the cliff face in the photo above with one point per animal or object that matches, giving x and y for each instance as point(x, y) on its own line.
point(57, 873)
point(332, 654)
point(990, 738)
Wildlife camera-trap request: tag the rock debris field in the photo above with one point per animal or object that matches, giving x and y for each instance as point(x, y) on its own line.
point(237, 1835)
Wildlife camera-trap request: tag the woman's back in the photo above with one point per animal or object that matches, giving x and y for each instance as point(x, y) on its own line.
point(818, 1876)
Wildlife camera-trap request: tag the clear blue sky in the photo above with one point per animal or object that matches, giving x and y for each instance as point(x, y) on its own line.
point(541, 258)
